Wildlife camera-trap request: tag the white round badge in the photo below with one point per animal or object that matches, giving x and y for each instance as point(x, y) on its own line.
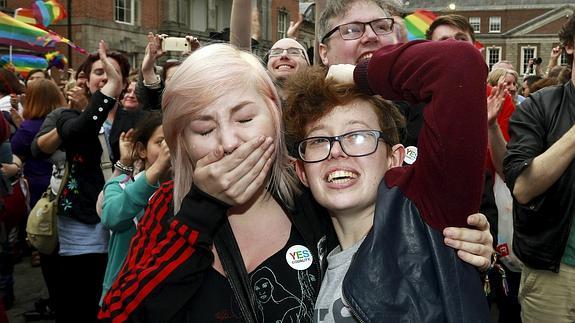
point(299, 257)
point(410, 155)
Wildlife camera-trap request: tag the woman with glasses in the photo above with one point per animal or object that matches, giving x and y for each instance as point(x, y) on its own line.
point(392, 264)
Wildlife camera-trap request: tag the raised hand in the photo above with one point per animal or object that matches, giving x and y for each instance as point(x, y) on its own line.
point(161, 166)
point(555, 52)
point(495, 101)
point(77, 98)
point(293, 30)
point(114, 85)
point(153, 51)
point(236, 177)
point(194, 44)
point(127, 148)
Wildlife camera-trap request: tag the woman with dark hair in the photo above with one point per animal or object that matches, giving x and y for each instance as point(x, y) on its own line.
point(10, 89)
point(37, 74)
point(83, 240)
point(126, 195)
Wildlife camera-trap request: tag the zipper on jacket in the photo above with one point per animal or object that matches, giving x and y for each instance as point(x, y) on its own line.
point(350, 308)
point(344, 298)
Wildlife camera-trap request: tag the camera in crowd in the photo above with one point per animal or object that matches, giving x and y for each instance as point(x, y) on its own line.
point(537, 61)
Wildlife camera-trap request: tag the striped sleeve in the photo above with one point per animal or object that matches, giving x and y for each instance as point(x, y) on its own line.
point(166, 260)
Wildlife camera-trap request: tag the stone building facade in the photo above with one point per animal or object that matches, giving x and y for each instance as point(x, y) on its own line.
point(125, 23)
point(515, 31)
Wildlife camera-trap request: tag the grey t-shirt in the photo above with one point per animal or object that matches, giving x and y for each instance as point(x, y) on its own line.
point(330, 306)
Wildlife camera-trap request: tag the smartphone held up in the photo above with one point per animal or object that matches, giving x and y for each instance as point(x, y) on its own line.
point(177, 44)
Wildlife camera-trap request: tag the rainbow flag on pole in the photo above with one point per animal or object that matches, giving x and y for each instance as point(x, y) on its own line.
point(20, 34)
point(48, 12)
point(23, 64)
point(25, 15)
point(418, 23)
point(12, 30)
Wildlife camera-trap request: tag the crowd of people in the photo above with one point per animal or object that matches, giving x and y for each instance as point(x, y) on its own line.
point(224, 187)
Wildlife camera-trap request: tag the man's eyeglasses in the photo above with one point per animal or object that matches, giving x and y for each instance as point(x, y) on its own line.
point(292, 51)
point(355, 30)
point(354, 144)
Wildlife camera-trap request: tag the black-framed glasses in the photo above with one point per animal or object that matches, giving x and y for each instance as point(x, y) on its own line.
point(355, 30)
point(292, 51)
point(354, 144)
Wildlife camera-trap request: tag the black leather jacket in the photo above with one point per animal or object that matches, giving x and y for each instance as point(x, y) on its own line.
point(541, 227)
point(403, 271)
point(415, 276)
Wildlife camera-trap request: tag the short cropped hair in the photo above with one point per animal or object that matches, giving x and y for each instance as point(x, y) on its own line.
point(338, 8)
point(117, 56)
point(457, 21)
point(311, 97)
point(45, 72)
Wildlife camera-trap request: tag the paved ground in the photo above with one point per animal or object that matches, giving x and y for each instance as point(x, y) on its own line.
point(29, 287)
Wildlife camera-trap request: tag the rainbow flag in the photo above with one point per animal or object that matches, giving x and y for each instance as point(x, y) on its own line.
point(48, 12)
point(57, 60)
point(25, 15)
point(418, 23)
point(23, 64)
point(20, 34)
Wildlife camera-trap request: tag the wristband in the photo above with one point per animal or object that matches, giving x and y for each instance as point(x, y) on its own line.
point(154, 85)
point(125, 169)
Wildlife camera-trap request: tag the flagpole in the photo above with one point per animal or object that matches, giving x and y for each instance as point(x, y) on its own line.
point(69, 30)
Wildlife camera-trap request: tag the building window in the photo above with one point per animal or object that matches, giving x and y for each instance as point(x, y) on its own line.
point(527, 53)
point(199, 15)
point(183, 12)
point(282, 23)
point(2, 3)
point(494, 24)
point(125, 11)
point(493, 56)
point(475, 23)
